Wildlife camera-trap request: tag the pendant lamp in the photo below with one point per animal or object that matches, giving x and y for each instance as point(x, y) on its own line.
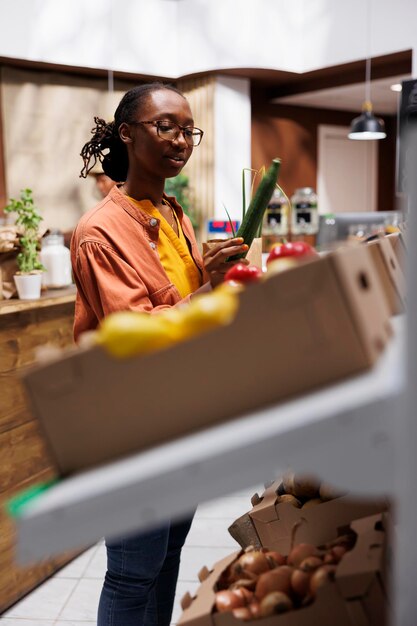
point(366, 125)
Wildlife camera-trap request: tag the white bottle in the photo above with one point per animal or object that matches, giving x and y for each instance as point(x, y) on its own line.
point(56, 259)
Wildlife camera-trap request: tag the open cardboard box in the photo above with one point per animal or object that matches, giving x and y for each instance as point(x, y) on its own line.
point(357, 597)
point(327, 319)
point(271, 524)
point(397, 243)
point(390, 273)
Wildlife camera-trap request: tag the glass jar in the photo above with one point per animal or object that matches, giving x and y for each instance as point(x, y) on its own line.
point(276, 215)
point(56, 259)
point(304, 218)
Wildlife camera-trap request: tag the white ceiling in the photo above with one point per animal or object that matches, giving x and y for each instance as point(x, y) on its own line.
point(351, 97)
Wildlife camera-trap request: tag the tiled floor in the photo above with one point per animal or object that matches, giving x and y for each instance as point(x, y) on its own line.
point(70, 598)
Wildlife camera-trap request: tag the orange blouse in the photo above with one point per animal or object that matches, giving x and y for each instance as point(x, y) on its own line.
point(115, 261)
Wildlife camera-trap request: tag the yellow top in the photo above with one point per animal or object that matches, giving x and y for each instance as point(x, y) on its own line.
point(173, 252)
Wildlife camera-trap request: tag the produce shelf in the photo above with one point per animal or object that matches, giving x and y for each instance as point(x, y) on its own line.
point(345, 433)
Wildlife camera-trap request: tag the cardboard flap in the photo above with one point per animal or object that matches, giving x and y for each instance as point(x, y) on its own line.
point(264, 511)
point(243, 531)
point(66, 377)
point(358, 568)
point(365, 297)
point(202, 604)
point(316, 524)
point(390, 274)
point(393, 266)
point(396, 241)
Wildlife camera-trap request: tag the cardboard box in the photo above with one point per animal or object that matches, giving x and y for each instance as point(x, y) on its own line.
point(270, 524)
point(390, 273)
point(397, 243)
point(357, 597)
point(327, 319)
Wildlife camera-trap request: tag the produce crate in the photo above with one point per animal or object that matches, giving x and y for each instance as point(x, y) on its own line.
point(272, 524)
point(390, 273)
point(357, 596)
point(327, 319)
point(397, 243)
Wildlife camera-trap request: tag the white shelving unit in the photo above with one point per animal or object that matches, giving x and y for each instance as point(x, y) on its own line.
point(345, 433)
point(360, 434)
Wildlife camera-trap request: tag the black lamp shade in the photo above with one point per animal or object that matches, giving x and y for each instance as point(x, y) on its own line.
point(367, 126)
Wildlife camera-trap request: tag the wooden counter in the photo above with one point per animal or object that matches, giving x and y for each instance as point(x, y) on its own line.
point(24, 459)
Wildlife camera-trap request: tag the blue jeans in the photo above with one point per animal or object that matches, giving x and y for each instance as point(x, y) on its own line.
point(142, 572)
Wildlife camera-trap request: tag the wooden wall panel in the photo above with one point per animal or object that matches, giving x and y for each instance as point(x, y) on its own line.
point(291, 133)
point(24, 456)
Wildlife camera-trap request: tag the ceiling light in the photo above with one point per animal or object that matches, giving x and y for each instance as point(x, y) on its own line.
point(367, 126)
point(396, 87)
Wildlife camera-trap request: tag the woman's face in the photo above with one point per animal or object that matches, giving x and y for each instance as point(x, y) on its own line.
point(149, 154)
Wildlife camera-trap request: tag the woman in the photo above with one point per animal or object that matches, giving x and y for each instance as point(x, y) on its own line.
point(137, 250)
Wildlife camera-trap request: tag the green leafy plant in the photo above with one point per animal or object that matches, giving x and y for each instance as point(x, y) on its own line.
point(179, 186)
point(28, 218)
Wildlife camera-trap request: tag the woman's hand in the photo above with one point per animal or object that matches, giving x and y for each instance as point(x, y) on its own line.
point(215, 259)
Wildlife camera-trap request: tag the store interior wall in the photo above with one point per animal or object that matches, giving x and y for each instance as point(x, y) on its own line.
point(42, 139)
point(47, 118)
point(291, 133)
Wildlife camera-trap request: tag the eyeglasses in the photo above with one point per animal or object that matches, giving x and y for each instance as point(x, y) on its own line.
point(170, 131)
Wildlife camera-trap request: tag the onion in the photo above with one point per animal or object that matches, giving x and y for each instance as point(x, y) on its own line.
point(311, 563)
point(330, 559)
point(227, 601)
point(242, 613)
point(244, 594)
point(338, 552)
point(300, 582)
point(312, 502)
point(278, 579)
point(287, 498)
point(255, 608)
point(301, 552)
point(254, 562)
point(321, 576)
point(301, 485)
point(275, 602)
point(244, 583)
point(328, 492)
point(275, 559)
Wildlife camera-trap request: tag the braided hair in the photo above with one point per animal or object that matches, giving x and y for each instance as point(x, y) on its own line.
point(106, 145)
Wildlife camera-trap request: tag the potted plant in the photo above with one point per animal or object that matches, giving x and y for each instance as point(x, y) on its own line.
point(28, 279)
